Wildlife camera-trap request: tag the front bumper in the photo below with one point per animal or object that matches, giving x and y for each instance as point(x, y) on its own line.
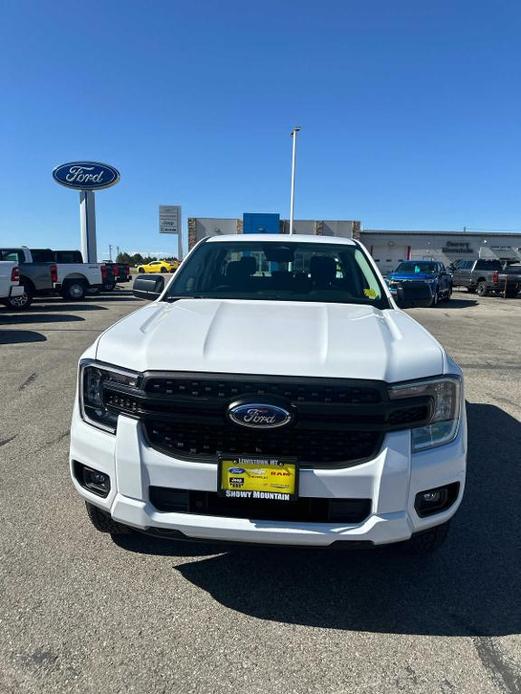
point(391, 480)
point(393, 287)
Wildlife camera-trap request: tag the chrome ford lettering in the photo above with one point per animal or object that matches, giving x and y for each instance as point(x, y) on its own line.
point(257, 417)
point(81, 175)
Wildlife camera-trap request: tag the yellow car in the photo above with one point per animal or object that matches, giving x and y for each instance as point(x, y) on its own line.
point(159, 266)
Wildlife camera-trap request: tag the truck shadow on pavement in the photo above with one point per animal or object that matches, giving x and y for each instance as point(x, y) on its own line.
point(23, 318)
point(108, 298)
point(457, 303)
point(470, 587)
point(15, 337)
point(37, 308)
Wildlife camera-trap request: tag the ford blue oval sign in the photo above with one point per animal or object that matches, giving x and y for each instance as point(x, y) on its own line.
point(86, 175)
point(259, 415)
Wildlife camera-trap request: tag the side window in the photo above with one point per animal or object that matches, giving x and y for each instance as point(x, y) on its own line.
point(372, 289)
point(69, 257)
point(488, 265)
point(12, 256)
point(42, 255)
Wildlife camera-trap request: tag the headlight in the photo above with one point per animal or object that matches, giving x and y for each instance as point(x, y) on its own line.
point(93, 380)
point(446, 408)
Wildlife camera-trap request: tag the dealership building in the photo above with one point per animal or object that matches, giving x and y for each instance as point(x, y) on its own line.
point(388, 247)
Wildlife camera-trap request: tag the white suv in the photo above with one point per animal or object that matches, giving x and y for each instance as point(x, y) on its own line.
point(273, 393)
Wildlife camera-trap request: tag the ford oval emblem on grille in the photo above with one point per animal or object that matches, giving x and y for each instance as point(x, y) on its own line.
point(259, 415)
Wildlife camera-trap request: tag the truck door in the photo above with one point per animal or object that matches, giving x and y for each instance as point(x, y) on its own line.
point(444, 280)
point(461, 276)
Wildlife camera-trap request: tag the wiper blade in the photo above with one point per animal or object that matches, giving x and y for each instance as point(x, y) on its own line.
point(171, 299)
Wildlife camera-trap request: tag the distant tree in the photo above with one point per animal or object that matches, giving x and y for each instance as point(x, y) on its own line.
point(124, 258)
point(137, 259)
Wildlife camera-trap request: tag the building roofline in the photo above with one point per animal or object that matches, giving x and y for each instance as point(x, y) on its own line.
point(452, 232)
point(281, 238)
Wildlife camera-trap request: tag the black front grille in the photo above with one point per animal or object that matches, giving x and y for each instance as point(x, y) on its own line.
point(337, 422)
point(305, 509)
point(408, 415)
point(203, 388)
point(311, 446)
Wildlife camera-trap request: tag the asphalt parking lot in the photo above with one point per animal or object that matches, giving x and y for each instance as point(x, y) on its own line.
point(79, 613)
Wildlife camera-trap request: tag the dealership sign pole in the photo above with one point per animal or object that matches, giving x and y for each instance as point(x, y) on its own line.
point(87, 177)
point(293, 170)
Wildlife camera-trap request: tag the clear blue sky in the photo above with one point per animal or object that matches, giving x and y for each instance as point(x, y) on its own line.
point(411, 112)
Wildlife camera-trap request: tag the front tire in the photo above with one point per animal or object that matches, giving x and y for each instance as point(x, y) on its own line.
point(103, 522)
point(434, 300)
point(163, 269)
point(427, 541)
point(141, 270)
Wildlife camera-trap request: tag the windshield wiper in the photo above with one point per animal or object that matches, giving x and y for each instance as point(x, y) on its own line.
point(171, 299)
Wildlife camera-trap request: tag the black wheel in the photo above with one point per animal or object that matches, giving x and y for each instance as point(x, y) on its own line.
point(163, 269)
point(435, 299)
point(141, 270)
point(426, 541)
point(103, 522)
point(22, 302)
point(447, 296)
point(482, 289)
point(74, 290)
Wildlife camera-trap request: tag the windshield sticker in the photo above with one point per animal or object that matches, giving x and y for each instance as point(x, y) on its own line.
point(370, 293)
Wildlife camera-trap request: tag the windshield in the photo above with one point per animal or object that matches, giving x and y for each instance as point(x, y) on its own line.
point(285, 271)
point(416, 266)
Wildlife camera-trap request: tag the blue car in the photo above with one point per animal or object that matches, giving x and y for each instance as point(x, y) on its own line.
point(429, 272)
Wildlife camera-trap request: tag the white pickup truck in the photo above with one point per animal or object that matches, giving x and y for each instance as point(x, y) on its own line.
point(11, 291)
point(272, 393)
point(71, 280)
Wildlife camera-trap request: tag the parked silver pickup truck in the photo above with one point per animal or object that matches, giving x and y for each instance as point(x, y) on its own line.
point(487, 277)
point(36, 279)
point(40, 274)
point(11, 292)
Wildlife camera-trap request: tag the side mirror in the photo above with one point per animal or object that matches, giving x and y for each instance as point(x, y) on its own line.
point(413, 295)
point(148, 286)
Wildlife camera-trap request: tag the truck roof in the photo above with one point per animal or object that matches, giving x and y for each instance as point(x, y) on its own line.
point(285, 238)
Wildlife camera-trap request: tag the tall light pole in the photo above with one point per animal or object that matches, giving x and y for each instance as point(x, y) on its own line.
point(293, 163)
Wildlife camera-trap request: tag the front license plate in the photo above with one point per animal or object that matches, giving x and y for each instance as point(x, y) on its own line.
point(271, 479)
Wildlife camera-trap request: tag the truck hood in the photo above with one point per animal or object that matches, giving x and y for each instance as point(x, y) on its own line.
point(273, 338)
point(419, 276)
